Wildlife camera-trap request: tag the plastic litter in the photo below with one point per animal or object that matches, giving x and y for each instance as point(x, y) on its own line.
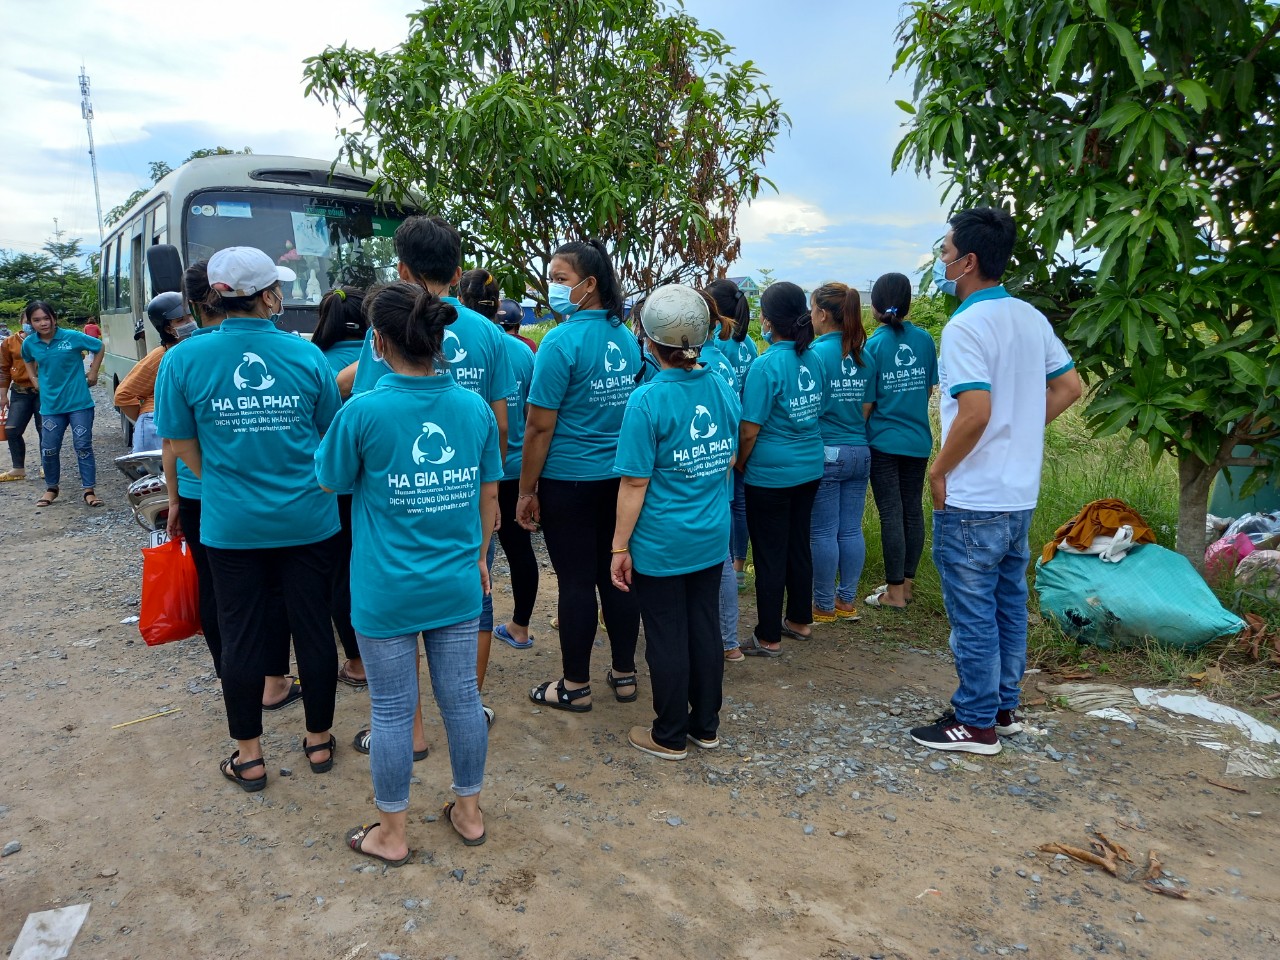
point(49, 934)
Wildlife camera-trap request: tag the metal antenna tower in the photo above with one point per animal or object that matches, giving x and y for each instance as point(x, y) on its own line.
point(86, 111)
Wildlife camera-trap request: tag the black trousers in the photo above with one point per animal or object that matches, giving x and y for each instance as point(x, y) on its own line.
point(243, 580)
point(683, 648)
point(519, 550)
point(23, 408)
point(897, 483)
point(277, 656)
point(340, 599)
point(577, 520)
point(778, 521)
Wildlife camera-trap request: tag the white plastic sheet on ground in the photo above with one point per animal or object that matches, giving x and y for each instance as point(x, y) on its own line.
point(49, 934)
point(1252, 748)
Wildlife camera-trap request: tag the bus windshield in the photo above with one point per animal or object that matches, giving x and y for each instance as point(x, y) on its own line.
point(326, 241)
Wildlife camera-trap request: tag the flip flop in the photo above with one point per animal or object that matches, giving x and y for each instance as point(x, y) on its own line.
point(9, 476)
point(750, 647)
point(364, 737)
point(293, 696)
point(448, 815)
point(350, 681)
point(503, 634)
point(734, 656)
point(355, 840)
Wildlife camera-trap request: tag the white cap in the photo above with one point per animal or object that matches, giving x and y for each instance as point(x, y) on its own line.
point(244, 271)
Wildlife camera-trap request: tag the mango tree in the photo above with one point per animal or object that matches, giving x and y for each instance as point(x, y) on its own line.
point(1136, 143)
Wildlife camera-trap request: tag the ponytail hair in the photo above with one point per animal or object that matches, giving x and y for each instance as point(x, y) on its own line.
point(733, 304)
point(412, 320)
point(784, 306)
point(479, 291)
point(845, 303)
point(717, 320)
point(891, 299)
point(195, 287)
point(589, 258)
point(341, 317)
point(683, 358)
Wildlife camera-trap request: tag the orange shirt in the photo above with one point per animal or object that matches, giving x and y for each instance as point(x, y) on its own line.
point(138, 388)
point(12, 369)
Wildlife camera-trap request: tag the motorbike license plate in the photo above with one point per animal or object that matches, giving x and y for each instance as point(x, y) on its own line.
point(158, 537)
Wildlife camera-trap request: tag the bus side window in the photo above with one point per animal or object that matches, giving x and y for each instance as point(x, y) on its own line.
point(106, 280)
point(124, 274)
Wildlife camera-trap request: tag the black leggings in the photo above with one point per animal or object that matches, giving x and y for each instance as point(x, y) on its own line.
point(519, 550)
point(577, 520)
point(277, 656)
point(246, 602)
point(898, 485)
point(340, 601)
point(778, 519)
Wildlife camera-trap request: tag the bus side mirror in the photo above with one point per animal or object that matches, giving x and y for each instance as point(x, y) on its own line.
point(165, 266)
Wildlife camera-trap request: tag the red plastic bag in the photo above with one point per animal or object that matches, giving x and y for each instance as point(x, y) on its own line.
point(170, 594)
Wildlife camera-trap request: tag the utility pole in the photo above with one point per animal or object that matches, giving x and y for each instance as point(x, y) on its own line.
point(86, 111)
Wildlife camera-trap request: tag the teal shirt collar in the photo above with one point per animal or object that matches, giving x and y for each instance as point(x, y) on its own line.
point(248, 323)
point(998, 292)
point(833, 335)
point(586, 315)
point(675, 373)
point(400, 381)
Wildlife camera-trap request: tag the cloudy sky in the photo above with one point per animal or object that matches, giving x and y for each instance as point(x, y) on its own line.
point(164, 85)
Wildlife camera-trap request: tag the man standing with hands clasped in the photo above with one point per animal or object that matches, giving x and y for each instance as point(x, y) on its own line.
point(1004, 375)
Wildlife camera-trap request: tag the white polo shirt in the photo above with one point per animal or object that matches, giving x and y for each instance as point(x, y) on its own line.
point(1005, 346)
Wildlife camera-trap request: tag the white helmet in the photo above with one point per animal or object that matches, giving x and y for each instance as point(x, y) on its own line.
point(676, 316)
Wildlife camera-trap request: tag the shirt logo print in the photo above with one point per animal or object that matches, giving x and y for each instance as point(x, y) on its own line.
point(905, 357)
point(805, 381)
point(848, 367)
point(452, 348)
point(614, 361)
point(702, 427)
point(436, 452)
point(253, 366)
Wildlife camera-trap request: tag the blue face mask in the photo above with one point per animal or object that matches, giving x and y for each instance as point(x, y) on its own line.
point(377, 354)
point(558, 298)
point(940, 276)
point(767, 335)
point(28, 328)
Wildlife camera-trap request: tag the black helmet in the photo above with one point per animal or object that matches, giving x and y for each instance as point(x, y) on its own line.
point(509, 314)
point(164, 308)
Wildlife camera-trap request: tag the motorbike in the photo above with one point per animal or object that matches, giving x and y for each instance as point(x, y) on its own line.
point(147, 493)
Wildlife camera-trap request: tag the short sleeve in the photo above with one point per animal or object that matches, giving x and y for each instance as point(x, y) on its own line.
point(933, 359)
point(337, 462)
point(330, 400)
point(1057, 360)
point(86, 342)
point(637, 445)
point(503, 380)
point(758, 394)
point(552, 368)
point(174, 419)
point(491, 456)
point(28, 355)
point(967, 365)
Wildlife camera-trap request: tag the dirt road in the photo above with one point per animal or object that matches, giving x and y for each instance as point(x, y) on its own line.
point(817, 830)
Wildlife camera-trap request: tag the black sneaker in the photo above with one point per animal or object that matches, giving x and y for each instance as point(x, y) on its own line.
point(1008, 722)
point(948, 733)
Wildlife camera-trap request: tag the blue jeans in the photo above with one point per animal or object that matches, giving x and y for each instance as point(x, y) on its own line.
point(728, 606)
point(982, 559)
point(486, 605)
point(391, 666)
point(53, 429)
point(836, 528)
point(145, 437)
point(738, 539)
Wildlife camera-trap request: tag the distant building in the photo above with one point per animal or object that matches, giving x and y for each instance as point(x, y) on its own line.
point(746, 285)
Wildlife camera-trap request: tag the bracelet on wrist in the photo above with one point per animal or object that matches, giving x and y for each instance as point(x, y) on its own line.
point(621, 550)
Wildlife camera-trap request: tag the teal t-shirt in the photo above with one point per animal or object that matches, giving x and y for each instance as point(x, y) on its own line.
point(740, 357)
point(63, 387)
point(681, 431)
point(473, 351)
point(521, 358)
point(649, 367)
point(784, 395)
point(258, 400)
point(189, 485)
point(413, 453)
point(711, 358)
point(585, 369)
point(906, 366)
point(846, 387)
point(343, 354)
